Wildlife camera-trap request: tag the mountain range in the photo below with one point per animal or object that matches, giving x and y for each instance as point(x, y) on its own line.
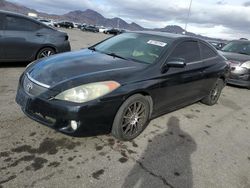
point(92, 17)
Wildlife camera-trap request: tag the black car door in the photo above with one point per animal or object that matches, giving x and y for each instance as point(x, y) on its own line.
point(210, 58)
point(1, 36)
point(21, 38)
point(181, 86)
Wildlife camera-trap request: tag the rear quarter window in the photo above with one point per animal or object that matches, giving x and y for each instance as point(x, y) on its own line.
point(207, 52)
point(14, 23)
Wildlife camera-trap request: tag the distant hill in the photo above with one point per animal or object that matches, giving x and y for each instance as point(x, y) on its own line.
point(88, 16)
point(171, 29)
point(92, 17)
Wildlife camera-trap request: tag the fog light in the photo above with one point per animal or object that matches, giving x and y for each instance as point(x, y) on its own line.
point(74, 125)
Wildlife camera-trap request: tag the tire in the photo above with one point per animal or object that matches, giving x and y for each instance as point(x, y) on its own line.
point(132, 118)
point(214, 93)
point(45, 52)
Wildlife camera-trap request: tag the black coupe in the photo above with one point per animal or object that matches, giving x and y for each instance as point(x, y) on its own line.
point(120, 84)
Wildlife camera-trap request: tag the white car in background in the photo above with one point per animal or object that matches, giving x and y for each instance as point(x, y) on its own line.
point(102, 29)
point(76, 25)
point(47, 22)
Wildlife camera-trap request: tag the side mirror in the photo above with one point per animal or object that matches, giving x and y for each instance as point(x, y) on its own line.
point(175, 63)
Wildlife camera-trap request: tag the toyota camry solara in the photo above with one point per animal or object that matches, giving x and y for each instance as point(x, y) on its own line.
point(117, 86)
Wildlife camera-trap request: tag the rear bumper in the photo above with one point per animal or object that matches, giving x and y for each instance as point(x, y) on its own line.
point(93, 118)
point(65, 47)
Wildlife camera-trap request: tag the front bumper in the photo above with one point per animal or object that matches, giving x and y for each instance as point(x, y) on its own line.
point(93, 118)
point(239, 82)
point(239, 76)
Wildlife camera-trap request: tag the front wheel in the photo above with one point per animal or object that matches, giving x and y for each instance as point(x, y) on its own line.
point(131, 118)
point(214, 93)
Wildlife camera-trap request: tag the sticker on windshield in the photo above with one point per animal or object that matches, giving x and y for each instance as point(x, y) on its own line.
point(157, 43)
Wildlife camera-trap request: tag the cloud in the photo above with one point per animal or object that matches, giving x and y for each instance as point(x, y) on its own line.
point(246, 4)
point(221, 2)
point(235, 17)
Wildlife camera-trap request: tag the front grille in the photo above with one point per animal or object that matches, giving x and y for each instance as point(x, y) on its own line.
point(32, 88)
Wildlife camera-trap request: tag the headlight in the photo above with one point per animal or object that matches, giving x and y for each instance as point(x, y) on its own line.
point(88, 92)
point(246, 65)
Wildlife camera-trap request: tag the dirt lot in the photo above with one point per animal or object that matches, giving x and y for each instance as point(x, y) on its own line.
point(198, 146)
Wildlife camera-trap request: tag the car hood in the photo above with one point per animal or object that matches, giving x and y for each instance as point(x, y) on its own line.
point(235, 56)
point(82, 67)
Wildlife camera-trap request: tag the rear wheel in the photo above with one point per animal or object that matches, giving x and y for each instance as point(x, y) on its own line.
point(214, 93)
point(132, 118)
point(45, 52)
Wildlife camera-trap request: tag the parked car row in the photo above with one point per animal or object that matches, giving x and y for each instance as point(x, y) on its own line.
point(101, 29)
point(83, 27)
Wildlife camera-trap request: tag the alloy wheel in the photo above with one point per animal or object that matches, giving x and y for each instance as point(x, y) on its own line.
point(134, 118)
point(215, 93)
point(45, 53)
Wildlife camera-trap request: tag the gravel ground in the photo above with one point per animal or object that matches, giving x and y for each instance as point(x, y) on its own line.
point(197, 146)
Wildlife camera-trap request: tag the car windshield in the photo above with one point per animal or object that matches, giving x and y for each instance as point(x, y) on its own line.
point(144, 48)
point(241, 47)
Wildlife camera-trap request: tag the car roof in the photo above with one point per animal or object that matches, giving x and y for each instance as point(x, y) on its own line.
point(25, 17)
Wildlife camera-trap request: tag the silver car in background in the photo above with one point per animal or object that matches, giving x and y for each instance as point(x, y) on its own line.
point(238, 54)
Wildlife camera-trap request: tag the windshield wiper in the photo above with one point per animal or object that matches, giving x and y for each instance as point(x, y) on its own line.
point(115, 55)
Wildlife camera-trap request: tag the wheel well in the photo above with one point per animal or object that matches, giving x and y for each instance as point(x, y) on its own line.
point(147, 96)
point(223, 79)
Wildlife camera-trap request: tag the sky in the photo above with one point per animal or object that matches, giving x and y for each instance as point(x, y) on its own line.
point(227, 19)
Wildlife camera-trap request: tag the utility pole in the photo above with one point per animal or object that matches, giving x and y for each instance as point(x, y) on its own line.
point(118, 23)
point(189, 11)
